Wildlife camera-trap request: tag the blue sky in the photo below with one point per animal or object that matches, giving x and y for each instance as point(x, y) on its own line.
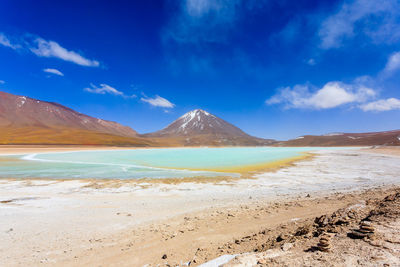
point(277, 69)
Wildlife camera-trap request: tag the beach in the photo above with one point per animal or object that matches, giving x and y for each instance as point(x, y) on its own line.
point(134, 223)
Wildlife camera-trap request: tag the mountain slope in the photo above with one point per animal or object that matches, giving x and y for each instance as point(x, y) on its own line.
point(390, 138)
point(21, 111)
point(198, 127)
point(24, 120)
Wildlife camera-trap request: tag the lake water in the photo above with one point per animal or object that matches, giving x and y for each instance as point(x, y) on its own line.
point(143, 163)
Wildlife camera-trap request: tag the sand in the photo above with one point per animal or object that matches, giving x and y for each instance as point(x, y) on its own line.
point(113, 223)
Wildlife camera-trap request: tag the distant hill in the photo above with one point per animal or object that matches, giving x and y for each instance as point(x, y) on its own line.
point(198, 127)
point(25, 120)
point(389, 138)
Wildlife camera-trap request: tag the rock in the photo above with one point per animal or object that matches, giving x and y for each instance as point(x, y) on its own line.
point(287, 246)
point(367, 229)
point(324, 249)
point(366, 223)
point(355, 234)
point(164, 256)
point(302, 231)
point(324, 243)
point(321, 221)
point(262, 261)
point(282, 237)
point(341, 221)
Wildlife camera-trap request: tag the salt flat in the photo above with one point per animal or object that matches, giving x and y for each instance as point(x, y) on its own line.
point(47, 221)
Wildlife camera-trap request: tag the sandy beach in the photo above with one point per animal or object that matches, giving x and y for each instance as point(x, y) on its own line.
point(120, 223)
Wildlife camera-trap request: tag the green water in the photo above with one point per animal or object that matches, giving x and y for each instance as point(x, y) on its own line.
point(142, 163)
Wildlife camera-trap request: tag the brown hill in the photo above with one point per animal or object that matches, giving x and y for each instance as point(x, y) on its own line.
point(24, 120)
point(198, 127)
point(389, 138)
point(21, 111)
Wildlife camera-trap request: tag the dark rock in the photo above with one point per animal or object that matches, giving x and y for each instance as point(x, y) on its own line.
point(302, 231)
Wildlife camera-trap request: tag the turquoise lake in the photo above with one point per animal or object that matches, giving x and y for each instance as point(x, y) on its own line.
point(142, 163)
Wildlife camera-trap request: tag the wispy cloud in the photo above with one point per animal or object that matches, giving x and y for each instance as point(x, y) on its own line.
point(106, 89)
point(43, 48)
point(4, 41)
point(2, 82)
point(393, 64)
point(311, 62)
point(194, 27)
point(46, 48)
point(382, 105)
point(158, 101)
point(54, 71)
point(331, 95)
point(202, 21)
point(379, 20)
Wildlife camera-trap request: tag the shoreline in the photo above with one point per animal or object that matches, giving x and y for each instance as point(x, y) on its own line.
point(37, 149)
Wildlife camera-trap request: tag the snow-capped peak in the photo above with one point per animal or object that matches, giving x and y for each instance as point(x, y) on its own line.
point(193, 113)
point(201, 122)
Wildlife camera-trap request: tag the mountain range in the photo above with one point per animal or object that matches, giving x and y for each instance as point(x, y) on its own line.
point(388, 138)
point(25, 120)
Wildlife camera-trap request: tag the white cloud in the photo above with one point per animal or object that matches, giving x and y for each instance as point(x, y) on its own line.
point(2, 82)
point(106, 89)
point(103, 89)
point(43, 48)
point(382, 105)
point(158, 101)
point(393, 63)
point(54, 71)
point(331, 95)
point(378, 20)
point(334, 94)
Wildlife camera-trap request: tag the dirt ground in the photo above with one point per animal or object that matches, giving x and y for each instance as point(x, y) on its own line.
point(349, 244)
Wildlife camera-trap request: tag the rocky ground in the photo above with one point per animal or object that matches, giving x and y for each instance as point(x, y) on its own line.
point(359, 235)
